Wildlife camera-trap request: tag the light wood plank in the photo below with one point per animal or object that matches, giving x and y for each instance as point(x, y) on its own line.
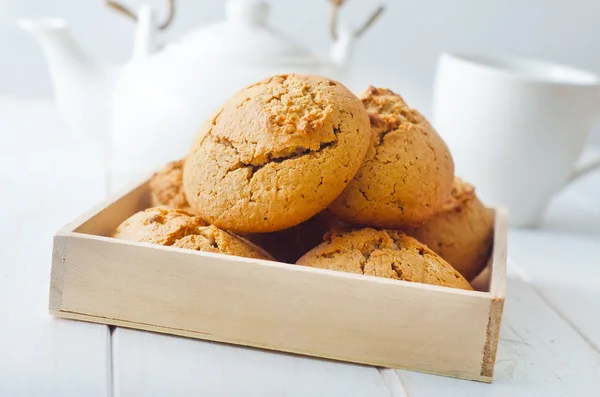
point(565, 270)
point(539, 355)
point(148, 364)
point(42, 187)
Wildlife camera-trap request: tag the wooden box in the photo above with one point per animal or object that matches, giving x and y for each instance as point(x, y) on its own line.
point(272, 305)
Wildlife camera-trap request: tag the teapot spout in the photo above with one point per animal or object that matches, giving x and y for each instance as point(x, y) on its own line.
point(65, 57)
point(81, 88)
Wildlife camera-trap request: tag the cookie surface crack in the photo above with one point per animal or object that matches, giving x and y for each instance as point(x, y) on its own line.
point(256, 164)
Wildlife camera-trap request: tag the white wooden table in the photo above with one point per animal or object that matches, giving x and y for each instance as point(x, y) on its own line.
point(550, 339)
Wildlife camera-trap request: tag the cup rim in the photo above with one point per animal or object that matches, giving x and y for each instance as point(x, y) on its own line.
point(527, 69)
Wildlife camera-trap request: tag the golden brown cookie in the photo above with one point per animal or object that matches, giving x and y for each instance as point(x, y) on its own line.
point(158, 225)
point(290, 244)
point(407, 173)
point(462, 232)
point(166, 187)
point(212, 239)
point(177, 228)
point(276, 153)
point(384, 253)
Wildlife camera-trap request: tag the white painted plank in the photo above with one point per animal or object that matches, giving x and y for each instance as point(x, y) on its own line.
point(43, 184)
point(539, 355)
point(565, 270)
point(148, 364)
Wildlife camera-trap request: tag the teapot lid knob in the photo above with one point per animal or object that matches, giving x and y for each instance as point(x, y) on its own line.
point(251, 12)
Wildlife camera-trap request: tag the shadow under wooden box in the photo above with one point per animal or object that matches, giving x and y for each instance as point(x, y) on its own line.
point(271, 305)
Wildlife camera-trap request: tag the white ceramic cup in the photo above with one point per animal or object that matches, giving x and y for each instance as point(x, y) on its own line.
point(515, 127)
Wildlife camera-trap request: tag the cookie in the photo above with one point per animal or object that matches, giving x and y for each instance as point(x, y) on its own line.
point(177, 228)
point(276, 153)
point(383, 253)
point(290, 244)
point(462, 232)
point(407, 173)
point(166, 187)
point(158, 225)
point(212, 239)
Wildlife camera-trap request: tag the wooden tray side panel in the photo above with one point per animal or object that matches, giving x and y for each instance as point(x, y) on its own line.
point(104, 218)
point(276, 306)
point(59, 253)
point(493, 335)
point(499, 259)
point(497, 290)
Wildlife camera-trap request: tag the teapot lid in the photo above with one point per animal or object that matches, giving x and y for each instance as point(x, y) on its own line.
point(244, 36)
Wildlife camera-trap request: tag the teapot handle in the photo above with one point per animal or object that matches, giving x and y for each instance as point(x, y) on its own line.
point(333, 16)
point(132, 15)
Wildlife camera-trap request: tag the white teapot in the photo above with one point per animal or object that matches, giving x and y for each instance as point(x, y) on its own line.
point(154, 104)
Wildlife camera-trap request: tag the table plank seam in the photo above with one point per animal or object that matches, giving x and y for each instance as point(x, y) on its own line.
point(393, 382)
point(520, 274)
point(111, 361)
point(524, 277)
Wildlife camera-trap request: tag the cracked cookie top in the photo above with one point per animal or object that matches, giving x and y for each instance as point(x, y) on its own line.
point(462, 232)
point(177, 228)
point(407, 173)
point(383, 253)
point(166, 187)
point(276, 153)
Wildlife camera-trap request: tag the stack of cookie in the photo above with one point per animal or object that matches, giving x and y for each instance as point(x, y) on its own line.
point(296, 168)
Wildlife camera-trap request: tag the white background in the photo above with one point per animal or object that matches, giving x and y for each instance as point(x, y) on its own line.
point(399, 52)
